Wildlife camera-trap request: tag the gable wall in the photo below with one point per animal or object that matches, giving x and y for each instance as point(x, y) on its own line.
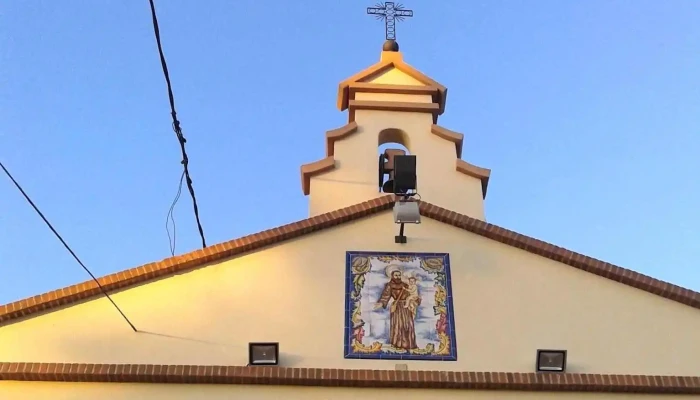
point(508, 303)
point(393, 76)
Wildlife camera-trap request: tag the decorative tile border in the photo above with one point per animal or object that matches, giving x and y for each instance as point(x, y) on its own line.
point(433, 265)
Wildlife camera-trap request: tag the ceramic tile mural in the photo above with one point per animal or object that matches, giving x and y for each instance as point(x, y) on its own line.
point(399, 306)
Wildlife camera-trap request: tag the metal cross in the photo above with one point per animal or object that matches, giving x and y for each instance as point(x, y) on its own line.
point(390, 13)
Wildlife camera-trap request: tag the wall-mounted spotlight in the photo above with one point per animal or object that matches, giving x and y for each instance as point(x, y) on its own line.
point(404, 187)
point(405, 212)
point(551, 360)
point(263, 353)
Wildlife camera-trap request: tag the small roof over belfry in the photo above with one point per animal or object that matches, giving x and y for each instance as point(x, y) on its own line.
point(391, 58)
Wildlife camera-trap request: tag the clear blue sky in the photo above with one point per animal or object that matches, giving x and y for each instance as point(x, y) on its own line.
point(599, 100)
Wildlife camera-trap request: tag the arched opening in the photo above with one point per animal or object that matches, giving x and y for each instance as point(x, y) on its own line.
point(393, 139)
point(391, 142)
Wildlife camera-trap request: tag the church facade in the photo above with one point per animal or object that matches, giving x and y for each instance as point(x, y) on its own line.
point(460, 309)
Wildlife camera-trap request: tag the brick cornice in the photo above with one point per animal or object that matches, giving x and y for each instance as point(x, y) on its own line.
point(200, 374)
point(564, 256)
point(131, 277)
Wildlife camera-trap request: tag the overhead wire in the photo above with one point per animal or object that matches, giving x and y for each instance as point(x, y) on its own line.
point(171, 218)
point(60, 238)
point(178, 132)
point(185, 176)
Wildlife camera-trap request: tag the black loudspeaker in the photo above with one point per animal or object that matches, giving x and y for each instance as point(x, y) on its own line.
point(404, 174)
point(382, 172)
point(386, 167)
point(388, 186)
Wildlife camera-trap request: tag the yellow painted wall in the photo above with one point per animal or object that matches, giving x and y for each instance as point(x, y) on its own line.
point(91, 391)
point(355, 178)
point(394, 77)
point(507, 303)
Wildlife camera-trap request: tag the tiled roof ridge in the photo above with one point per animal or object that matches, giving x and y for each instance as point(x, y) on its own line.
point(130, 277)
point(267, 375)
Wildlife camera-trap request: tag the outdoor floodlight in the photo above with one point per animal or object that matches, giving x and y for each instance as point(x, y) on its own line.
point(551, 360)
point(263, 353)
point(406, 212)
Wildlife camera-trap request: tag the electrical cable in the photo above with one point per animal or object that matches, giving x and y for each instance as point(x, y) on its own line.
point(102, 289)
point(176, 124)
point(171, 218)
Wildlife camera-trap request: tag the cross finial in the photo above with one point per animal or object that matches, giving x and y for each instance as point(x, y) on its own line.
point(390, 13)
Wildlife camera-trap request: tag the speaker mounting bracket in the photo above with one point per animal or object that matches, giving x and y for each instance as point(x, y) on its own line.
point(401, 238)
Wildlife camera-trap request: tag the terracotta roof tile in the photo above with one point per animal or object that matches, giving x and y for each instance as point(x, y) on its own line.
point(124, 279)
